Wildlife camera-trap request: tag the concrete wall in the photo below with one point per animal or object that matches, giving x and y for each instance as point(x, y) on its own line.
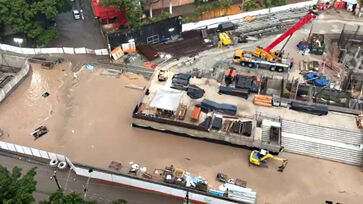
point(213, 23)
point(236, 140)
point(13, 61)
point(120, 179)
point(54, 50)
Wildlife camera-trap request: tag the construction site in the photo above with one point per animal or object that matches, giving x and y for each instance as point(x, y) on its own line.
point(204, 109)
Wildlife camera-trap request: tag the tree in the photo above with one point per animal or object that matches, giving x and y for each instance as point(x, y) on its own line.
point(242, 5)
point(47, 36)
point(31, 17)
point(131, 7)
point(250, 4)
point(15, 188)
point(59, 197)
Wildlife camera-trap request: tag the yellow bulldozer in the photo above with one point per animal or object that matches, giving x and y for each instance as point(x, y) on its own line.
point(258, 158)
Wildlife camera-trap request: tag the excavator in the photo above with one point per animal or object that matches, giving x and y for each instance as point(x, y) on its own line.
point(259, 157)
point(273, 60)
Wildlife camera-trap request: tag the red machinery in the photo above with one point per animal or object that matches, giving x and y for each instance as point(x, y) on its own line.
point(106, 14)
point(311, 15)
point(265, 58)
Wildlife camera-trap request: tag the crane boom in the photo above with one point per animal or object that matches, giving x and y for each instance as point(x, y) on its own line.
point(291, 31)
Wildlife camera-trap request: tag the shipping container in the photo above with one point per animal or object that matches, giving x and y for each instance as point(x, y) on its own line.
point(195, 114)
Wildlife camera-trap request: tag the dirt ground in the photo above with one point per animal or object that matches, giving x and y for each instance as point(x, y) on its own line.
point(89, 118)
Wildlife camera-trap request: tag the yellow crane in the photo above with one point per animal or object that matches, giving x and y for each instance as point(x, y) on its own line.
point(259, 157)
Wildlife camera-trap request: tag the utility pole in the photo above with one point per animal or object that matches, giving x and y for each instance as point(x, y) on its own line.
point(54, 176)
point(186, 200)
point(87, 183)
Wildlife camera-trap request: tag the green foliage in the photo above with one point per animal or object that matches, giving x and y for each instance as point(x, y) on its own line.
point(132, 10)
point(250, 4)
point(59, 197)
point(272, 3)
point(47, 36)
point(268, 3)
point(119, 201)
point(63, 6)
point(30, 16)
point(188, 19)
point(15, 188)
point(163, 15)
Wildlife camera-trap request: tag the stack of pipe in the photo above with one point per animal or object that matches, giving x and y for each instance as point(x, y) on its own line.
point(263, 100)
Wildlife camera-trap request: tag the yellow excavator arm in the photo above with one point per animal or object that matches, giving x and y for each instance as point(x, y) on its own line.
point(257, 157)
point(283, 161)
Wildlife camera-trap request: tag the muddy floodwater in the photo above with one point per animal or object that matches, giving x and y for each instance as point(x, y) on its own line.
point(88, 115)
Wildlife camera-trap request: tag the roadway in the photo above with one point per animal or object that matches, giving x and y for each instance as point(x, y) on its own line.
point(101, 191)
point(79, 33)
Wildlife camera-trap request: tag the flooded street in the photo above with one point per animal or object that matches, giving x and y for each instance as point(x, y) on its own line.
point(89, 120)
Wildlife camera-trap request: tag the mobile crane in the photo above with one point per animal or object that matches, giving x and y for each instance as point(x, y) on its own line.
point(273, 60)
point(259, 157)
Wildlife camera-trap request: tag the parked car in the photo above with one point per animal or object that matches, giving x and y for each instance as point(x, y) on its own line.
point(76, 14)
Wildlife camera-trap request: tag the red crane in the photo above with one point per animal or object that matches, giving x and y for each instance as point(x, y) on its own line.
point(299, 24)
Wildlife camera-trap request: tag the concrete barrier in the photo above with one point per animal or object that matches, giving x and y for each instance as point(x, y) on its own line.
point(213, 23)
point(125, 180)
point(13, 61)
point(52, 50)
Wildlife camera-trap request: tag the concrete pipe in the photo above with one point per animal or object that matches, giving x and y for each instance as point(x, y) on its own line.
point(53, 163)
point(62, 165)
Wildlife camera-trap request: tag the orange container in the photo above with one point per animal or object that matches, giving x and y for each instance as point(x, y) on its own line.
point(233, 74)
point(196, 113)
point(228, 71)
point(339, 5)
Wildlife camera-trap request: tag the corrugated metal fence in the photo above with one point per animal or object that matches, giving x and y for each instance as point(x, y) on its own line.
point(323, 142)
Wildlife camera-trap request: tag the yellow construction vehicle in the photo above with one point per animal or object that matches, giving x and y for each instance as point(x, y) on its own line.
point(224, 38)
point(273, 60)
point(259, 157)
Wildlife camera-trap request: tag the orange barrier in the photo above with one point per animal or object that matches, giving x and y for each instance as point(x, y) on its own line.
point(233, 9)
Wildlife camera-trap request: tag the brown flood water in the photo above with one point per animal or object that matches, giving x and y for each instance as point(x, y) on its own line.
point(89, 118)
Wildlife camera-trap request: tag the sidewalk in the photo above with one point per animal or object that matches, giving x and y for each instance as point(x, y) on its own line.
point(69, 181)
